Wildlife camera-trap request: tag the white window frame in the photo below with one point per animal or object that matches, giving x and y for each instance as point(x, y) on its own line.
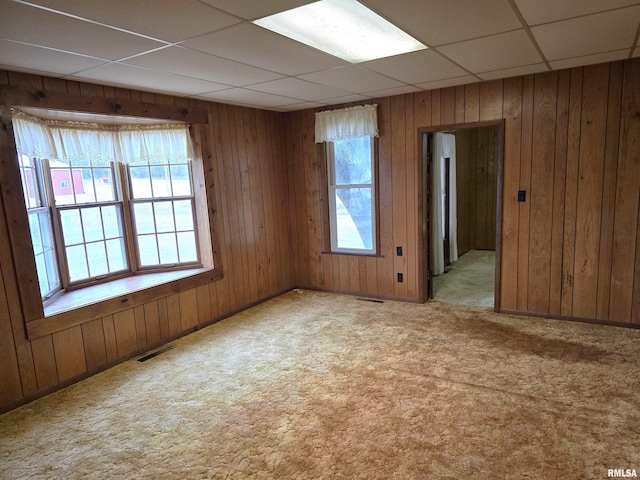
point(333, 188)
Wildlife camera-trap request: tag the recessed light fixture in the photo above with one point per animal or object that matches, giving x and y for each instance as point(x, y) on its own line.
point(343, 28)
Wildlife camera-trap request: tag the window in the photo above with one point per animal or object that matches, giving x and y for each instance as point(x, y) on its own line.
point(352, 195)
point(106, 201)
point(349, 135)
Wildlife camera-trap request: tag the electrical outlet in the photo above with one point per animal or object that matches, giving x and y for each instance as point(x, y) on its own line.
point(522, 195)
point(400, 278)
point(399, 251)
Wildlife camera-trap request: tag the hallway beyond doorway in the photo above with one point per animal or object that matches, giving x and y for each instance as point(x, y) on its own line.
point(469, 281)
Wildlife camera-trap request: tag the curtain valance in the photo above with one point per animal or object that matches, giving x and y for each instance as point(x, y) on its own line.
point(95, 144)
point(352, 122)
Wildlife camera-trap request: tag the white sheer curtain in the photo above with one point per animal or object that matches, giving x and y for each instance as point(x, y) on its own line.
point(352, 122)
point(70, 142)
point(444, 147)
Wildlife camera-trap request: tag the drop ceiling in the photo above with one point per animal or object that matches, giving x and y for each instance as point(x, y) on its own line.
point(209, 49)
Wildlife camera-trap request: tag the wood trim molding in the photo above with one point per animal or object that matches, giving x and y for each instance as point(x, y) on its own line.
point(12, 96)
point(71, 318)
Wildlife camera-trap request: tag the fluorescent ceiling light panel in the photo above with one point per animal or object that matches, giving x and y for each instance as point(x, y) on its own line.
point(343, 28)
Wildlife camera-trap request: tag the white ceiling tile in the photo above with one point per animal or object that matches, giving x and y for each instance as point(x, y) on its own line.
point(248, 43)
point(416, 67)
point(352, 78)
point(300, 89)
point(602, 32)
point(249, 97)
point(300, 106)
point(128, 76)
point(347, 99)
point(251, 9)
point(169, 20)
point(436, 22)
point(390, 92)
point(590, 59)
point(43, 60)
point(201, 65)
point(536, 12)
point(497, 52)
point(449, 82)
point(61, 32)
point(514, 72)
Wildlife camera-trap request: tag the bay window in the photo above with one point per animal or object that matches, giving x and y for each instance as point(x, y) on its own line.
point(106, 201)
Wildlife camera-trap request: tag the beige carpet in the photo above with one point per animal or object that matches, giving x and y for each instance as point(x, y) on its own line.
point(469, 281)
point(317, 385)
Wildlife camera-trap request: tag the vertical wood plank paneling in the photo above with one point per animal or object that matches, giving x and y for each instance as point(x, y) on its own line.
point(9, 371)
point(480, 182)
point(354, 272)
point(385, 184)
point(173, 314)
point(608, 191)
point(559, 179)
point(124, 324)
point(571, 192)
point(435, 107)
point(152, 323)
point(203, 303)
point(513, 98)
point(541, 197)
point(188, 309)
point(44, 359)
point(460, 109)
point(448, 106)
point(163, 318)
point(248, 232)
point(525, 184)
point(472, 103)
point(68, 346)
point(625, 229)
point(411, 191)
point(95, 349)
point(110, 344)
point(302, 246)
point(399, 180)
point(590, 174)
point(490, 101)
point(141, 327)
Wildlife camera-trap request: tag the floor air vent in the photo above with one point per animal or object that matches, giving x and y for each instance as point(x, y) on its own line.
point(374, 300)
point(155, 353)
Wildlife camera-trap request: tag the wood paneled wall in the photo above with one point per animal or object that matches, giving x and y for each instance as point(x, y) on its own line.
point(476, 187)
point(572, 141)
point(243, 150)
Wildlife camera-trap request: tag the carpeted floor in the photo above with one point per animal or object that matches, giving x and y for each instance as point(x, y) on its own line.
point(468, 281)
point(316, 385)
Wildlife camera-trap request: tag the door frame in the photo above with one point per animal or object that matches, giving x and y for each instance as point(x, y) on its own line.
point(424, 156)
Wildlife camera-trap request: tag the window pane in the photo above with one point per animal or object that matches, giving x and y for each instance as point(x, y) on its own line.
point(354, 219)
point(71, 227)
point(143, 213)
point(97, 257)
point(43, 280)
point(62, 179)
point(140, 182)
point(30, 188)
point(92, 224)
point(77, 261)
point(168, 248)
point(353, 161)
point(181, 180)
point(148, 250)
point(104, 183)
point(36, 237)
point(52, 270)
point(160, 181)
point(187, 247)
point(164, 216)
point(111, 221)
point(184, 214)
point(116, 255)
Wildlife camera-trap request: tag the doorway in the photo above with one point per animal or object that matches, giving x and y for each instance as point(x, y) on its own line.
point(462, 192)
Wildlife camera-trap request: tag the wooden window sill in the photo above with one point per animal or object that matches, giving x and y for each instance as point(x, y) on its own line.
point(353, 254)
point(87, 304)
